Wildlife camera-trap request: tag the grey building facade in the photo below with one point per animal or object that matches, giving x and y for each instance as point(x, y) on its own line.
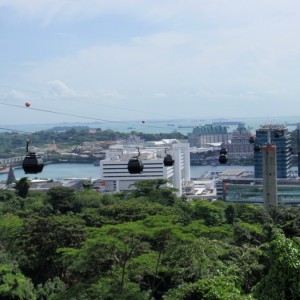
point(282, 139)
point(206, 134)
point(240, 146)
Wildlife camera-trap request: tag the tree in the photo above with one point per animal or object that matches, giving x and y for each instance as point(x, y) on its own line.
point(282, 281)
point(216, 288)
point(249, 233)
point(13, 284)
point(230, 213)
point(22, 187)
point(211, 214)
point(86, 199)
point(10, 228)
point(39, 241)
point(61, 198)
point(155, 190)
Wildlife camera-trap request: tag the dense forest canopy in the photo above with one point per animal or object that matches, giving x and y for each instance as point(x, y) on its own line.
point(144, 244)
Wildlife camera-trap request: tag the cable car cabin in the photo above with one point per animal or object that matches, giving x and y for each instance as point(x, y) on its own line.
point(222, 159)
point(252, 140)
point(277, 134)
point(223, 151)
point(168, 161)
point(135, 166)
point(33, 163)
point(257, 148)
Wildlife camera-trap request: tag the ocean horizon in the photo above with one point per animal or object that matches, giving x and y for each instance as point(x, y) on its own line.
point(160, 126)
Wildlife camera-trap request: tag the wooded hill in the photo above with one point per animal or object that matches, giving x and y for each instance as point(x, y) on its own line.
point(14, 143)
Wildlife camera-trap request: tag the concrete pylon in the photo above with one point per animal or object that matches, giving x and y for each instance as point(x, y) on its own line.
point(269, 176)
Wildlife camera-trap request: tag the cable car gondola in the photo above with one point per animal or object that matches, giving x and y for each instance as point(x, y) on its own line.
point(32, 163)
point(277, 134)
point(222, 159)
point(223, 151)
point(168, 160)
point(252, 140)
point(223, 156)
point(257, 148)
point(135, 165)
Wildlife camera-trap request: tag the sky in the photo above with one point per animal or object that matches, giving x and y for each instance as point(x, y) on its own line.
point(124, 60)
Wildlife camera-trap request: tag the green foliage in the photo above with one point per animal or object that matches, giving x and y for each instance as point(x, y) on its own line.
point(288, 219)
point(245, 263)
point(249, 233)
point(144, 244)
point(230, 213)
point(14, 205)
point(6, 196)
point(199, 229)
point(282, 281)
point(86, 199)
point(22, 187)
point(10, 228)
point(132, 210)
point(156, 190)
point(40, 239)
point(250, 213)
point(14, 285)
point(61, 198)
point(211, 214)
point(49, 289)
point(215, 288)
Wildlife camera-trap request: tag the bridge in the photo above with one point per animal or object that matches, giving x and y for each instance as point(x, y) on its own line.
point(11, 160)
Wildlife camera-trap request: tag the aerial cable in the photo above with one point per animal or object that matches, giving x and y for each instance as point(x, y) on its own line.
point(85, 101)
point(78, 116)
point(31, 133)
point(15, 130)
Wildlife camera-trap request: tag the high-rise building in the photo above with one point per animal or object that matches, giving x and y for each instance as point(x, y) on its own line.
point(240, 146)
point(207, 134)
point(269, 176)
point(298, 146)
point(114, 173)
point(280, 137)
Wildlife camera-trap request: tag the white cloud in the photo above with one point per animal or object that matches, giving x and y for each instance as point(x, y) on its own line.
point(16, 96)
point(58, 88)
point(220, 51)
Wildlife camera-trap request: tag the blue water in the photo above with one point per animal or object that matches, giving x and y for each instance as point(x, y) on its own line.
point(61, 171)
point(163, 126)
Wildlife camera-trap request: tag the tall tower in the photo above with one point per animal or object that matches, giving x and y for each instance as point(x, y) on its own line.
point(282, 139)
point(269, 176)
point(298, 146)
point(11, 176)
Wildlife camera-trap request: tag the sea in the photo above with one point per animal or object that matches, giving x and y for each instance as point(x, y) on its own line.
point(68, 170)
point(89, 171)
point(184, 126)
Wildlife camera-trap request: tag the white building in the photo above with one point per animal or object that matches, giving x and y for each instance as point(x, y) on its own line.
point(115, 177)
